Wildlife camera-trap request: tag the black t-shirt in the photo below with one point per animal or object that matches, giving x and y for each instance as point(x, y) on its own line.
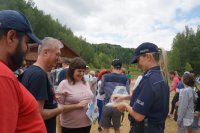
point(36, 81)
point(197, 105)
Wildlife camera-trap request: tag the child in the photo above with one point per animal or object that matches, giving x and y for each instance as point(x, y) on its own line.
point(186, 104)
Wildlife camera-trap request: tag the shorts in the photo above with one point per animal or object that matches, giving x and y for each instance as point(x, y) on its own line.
point(195, 123)
point(110, 114)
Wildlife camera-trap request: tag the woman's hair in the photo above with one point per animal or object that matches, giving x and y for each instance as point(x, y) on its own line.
point(102, 72)
point(172, 73)
point(76, 63)
point(161, 57)
point(188, 79)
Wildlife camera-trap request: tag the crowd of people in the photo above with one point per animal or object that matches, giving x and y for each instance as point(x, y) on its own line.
point(186, 101)
point(32, 98)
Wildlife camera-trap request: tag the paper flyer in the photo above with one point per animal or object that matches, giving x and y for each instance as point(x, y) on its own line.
point(92, 115)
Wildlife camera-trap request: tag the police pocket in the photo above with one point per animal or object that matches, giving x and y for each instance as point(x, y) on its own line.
point(141, 127)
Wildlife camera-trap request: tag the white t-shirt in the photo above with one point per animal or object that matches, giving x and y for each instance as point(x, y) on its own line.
point(88, 77)
point(137, 81)
point(100, 97)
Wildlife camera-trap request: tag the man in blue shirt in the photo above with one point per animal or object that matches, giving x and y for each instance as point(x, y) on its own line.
point(63, 72)
point(149, 104)
point(109, 83)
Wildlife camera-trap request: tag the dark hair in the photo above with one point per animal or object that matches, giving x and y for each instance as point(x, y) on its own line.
point(188, 80)
point(172, 73)
point(5, 31)
point(76, 63)
point(194, 73)
point(66, 61)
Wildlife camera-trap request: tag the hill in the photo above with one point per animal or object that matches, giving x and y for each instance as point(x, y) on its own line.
point(96, 55)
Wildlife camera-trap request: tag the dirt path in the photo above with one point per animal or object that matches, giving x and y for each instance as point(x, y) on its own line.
point(170, 126)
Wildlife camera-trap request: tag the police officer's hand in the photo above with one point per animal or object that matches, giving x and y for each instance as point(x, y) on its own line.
point(117, 98)
point(120, 106)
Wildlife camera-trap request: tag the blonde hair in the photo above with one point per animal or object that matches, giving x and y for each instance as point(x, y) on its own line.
point(92, 73)
point(163, 64)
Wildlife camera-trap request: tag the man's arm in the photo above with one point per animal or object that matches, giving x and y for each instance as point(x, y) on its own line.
point(101, 89)
point(128, 86)
point(48, 113)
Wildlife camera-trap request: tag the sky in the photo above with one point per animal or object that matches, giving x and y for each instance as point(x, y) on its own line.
point(125, 22)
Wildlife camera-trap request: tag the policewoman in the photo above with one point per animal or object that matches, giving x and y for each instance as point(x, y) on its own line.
point(149, 103)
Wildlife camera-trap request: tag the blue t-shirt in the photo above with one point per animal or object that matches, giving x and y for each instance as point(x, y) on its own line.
point(151, 98)
point(36, 81)
point(62, 75)
point(109, 83)
point(180, 85)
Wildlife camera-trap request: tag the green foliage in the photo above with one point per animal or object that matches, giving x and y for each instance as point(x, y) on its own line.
point(96, 55)
point(188, 67)
point(185, 51)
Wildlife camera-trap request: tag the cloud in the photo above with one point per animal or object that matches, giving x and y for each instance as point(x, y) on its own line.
point(124, 22)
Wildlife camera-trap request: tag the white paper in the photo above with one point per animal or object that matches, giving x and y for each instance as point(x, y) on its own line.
point(92, 115)
point(119, 90)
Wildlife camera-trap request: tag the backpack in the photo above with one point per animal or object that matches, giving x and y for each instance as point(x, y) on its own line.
point(20, 76)
point(19, 73)
point(196, 98)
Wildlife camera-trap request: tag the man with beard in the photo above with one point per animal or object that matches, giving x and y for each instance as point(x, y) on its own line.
point(36, 80)
point(19, 110)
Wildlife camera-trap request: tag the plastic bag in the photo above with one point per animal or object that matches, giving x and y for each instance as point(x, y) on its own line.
point(119, 90)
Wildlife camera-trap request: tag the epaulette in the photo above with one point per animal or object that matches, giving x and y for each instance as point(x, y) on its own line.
point(148, 74)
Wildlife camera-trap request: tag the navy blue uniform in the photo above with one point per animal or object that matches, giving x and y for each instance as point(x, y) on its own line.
point(151, 99)
point(36, 81)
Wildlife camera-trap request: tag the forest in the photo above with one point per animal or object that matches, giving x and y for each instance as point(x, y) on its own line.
point(183, 56)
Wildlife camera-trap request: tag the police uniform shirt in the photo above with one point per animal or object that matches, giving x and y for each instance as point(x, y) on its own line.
point(151, 97)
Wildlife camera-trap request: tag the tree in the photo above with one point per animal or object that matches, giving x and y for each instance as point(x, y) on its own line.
point(188, 67)
point(185, 50)
point(97, 55)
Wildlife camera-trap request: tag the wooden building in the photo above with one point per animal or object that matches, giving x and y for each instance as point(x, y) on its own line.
point(31, 56)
